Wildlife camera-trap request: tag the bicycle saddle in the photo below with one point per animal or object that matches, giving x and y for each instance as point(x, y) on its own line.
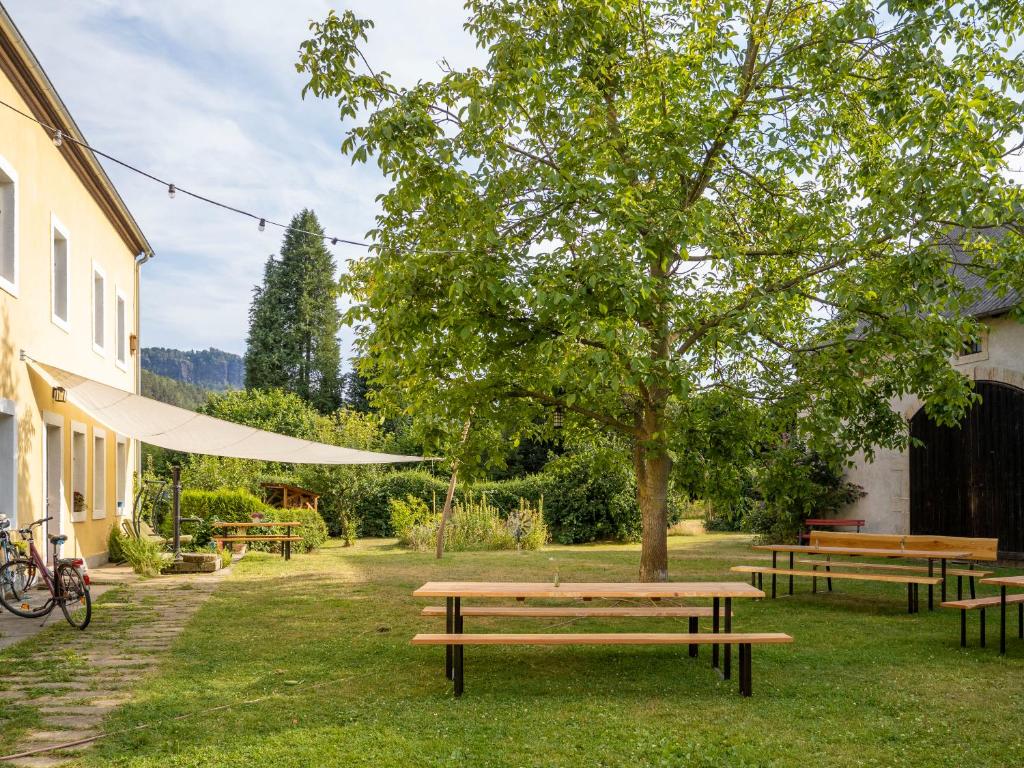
point(55, 539)
point(4, 523)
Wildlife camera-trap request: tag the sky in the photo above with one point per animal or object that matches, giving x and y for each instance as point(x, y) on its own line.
point(205, 94)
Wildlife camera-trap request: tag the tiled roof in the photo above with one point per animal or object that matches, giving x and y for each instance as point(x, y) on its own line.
point(987, 301)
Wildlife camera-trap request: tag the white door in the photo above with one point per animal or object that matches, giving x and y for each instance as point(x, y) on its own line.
point(53, 461)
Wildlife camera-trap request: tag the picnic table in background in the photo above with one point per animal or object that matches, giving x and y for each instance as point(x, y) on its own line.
point(455, 639)
point(286, 538)
point(911, 581)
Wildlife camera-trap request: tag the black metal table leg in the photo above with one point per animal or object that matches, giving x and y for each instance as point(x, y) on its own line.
point(963, 628)
point(931, 589)
point(458, 680)
point(694, 629)
point(828, 569)
point(942, 573)
point(970, 566)
point(1020, 620)
point(1002, 621)
point(727, 650)
point(791, 575)
point(714, 629)
point(774, 566)
point(981, 630)
point(917, 598)
point(959, 587)
point(910, 597)
point(814, 580)
point(449, 628)
point(745, 674)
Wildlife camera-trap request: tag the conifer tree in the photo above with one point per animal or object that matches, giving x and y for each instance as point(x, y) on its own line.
point(294, 319)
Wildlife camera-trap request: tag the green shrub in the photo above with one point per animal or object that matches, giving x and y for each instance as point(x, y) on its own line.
point(407, 515)
point(115, 545)
point(227, 506)
point(372, 500)
point(225, 557)
point(474, 525)
point(313, 530)
point(143, 555)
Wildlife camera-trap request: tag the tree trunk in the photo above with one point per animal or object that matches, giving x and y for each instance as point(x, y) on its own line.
point(446, 513)
point(653, 465)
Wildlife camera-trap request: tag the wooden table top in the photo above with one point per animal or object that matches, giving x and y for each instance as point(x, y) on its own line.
point(613, 590)
point(1005, 581)
point(254, 525)
point(915, 554)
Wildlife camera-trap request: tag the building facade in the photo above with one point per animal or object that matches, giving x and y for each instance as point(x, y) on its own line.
point(966, 480)
point(70, 254)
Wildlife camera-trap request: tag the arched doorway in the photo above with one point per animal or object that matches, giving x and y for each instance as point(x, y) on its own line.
point(969, 480)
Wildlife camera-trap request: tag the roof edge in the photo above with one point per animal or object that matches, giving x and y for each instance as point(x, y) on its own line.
point(29, 78)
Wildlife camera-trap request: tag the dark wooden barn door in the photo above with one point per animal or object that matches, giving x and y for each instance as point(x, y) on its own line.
point(969, 480)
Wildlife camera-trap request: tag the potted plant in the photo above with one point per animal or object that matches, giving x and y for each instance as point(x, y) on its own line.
point(78, 502)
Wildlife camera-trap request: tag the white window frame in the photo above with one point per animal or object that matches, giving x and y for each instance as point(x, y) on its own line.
point(56, 420)
point(120, 328)
point(11, 286)
point(99, 473)
point(77, 428)
point(9, 505)
point(122, 493)
point(57, 227)
point(98, 271)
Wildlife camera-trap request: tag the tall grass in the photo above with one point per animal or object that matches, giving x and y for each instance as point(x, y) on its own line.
point(474, 525)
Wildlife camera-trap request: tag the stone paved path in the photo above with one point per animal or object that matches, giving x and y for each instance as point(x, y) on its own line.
point(74, 678)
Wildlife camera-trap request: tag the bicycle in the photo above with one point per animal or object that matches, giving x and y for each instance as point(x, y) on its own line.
point(8, 551)
point(67, 585)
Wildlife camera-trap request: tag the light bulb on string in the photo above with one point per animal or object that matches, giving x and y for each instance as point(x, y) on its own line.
point(263, 224)
point(171, 191)
point(58, 137)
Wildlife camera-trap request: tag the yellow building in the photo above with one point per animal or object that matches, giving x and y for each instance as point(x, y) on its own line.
point(70, 254)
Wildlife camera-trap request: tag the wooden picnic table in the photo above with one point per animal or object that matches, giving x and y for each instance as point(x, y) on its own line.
point(931, 555)
point(1003, 582)
point(455, 591)
point(286, 539)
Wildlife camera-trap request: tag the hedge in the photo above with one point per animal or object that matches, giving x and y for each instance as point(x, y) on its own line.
point(313, 530)
point(371, 507)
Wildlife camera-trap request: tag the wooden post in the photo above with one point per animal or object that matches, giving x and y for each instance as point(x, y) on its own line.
point(446, 513)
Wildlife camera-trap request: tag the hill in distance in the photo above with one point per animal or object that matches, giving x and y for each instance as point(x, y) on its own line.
point(207, 369)
point(172, 392)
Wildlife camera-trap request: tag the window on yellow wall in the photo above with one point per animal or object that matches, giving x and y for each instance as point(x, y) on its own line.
point(60, 277)
point(79, 463)
point(99, 309)
point(122, 476)
point(121, 337)
point(99, 475)
point(8, 228)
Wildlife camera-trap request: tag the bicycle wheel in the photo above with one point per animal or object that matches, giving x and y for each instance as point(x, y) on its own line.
point(19, 592)
point(74, 598)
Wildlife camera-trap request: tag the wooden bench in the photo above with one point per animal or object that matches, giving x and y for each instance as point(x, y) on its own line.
point(690, 612)
point(980, 604)
point(960, 573)
point(912, 582)
point(745, 641)
point(824, 522)
point(286, 551)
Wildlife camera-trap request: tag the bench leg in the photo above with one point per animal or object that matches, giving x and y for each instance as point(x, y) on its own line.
point(449, 627)
point(963, 628)
point(814, 581)
point(774, 559)
point(727, 650)
point(942, 573)
point(1020, 620)
point(745, 649)
point(910, 597)
point(828, 569)
point(981, 630)
point(1002, 621)
point(959, 587)
point(714, 629)
point(931, 589)
point(760, 581)
point(791, 575)
point(694, 629)
point(753, 579)
point(458, 677)
point(917, 598)
point(973, 594)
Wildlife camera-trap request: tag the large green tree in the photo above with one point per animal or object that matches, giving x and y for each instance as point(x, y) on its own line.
point(294, 319)
point(632, 204)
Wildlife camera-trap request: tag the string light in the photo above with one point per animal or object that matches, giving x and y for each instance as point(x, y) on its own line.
point(58, 139)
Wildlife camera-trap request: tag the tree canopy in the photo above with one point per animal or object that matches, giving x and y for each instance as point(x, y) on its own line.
point(294, 320)
point(646, 213)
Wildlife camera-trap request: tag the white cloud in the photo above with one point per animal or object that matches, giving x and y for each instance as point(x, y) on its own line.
point(206, 94)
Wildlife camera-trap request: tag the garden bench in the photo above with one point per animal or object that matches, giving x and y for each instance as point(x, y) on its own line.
point(744, 640)
point(691, 612)
point(1003, 582)
point(824, 522)
point(980, 604)
point(912, 582)
point(960, 573)
point(286, 539)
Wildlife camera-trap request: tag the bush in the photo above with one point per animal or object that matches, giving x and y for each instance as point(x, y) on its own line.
point(372, 503)
point(115, 545)
point(313, 530)
point(143, 555)
point(474, 525)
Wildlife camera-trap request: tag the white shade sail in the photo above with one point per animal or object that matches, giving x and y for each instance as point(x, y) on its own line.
point(177, 429)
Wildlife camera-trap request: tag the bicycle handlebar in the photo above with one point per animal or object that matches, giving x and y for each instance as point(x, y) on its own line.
point(28, 529)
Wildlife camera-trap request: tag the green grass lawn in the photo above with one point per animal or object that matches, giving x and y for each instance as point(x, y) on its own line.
point(326, 638)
